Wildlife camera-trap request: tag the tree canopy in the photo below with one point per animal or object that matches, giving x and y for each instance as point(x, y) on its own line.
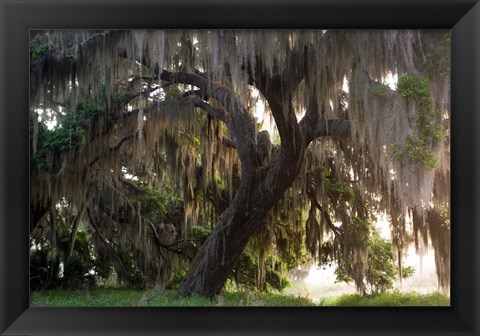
point(240, 153)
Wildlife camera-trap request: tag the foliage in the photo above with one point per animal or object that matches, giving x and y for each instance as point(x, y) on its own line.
point(68, 134)
point(78, 272)
point(122, 98)
point(39, 47)
point(414, 88)
point(429, 131)
point(380, 273)
point(199, 233)
point(245, 274)
point(44, 269)
point(339, 190)
point(155, 204)
point(378, 89)
point(177, 279)
point(341, 275)
point(407, 271)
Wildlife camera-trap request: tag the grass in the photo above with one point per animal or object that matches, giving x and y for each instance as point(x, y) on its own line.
point(388, 300)
point(118, 297)
point(92, 298)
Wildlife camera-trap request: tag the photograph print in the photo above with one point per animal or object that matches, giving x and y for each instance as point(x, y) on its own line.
point(239, 167)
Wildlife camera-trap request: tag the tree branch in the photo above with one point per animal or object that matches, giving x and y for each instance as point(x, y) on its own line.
point(335, 128)
point(279, 97)
point(122, 141)
point(212, 111)
point(107, 244)
point(239, 122)
point(162, 245)
point(325, 215)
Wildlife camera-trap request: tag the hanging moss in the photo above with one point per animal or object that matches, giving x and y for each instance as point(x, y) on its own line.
point(145, 127)
point(437, 61)
point(429, 131)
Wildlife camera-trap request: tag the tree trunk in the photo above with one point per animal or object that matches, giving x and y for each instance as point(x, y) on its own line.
point(257, 194)
point(73, 235)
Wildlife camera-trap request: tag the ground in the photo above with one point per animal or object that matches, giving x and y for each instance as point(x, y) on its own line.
point(157, 297)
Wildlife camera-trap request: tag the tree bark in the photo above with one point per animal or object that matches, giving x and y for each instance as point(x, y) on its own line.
point(260, 186)
point(73, 235)
point(255, 197)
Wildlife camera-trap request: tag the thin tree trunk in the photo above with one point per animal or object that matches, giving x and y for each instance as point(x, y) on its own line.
point(108, 245)
point(73, 235)
point(53, 242)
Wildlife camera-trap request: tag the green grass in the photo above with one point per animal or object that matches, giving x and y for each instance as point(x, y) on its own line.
point(263, 299)
point(102, 297)
point(92, 298)
point(388, 299)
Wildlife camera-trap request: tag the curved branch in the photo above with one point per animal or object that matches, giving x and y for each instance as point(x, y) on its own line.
point(314, 203)
point(239, 122)
point(313, 127)
point(278, 90)
point(216, 113)
point(122, 141)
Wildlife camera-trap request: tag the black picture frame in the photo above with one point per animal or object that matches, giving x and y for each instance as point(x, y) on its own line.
point(18, 16)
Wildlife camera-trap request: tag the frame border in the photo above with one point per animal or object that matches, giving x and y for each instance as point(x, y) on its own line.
point(17, 17)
